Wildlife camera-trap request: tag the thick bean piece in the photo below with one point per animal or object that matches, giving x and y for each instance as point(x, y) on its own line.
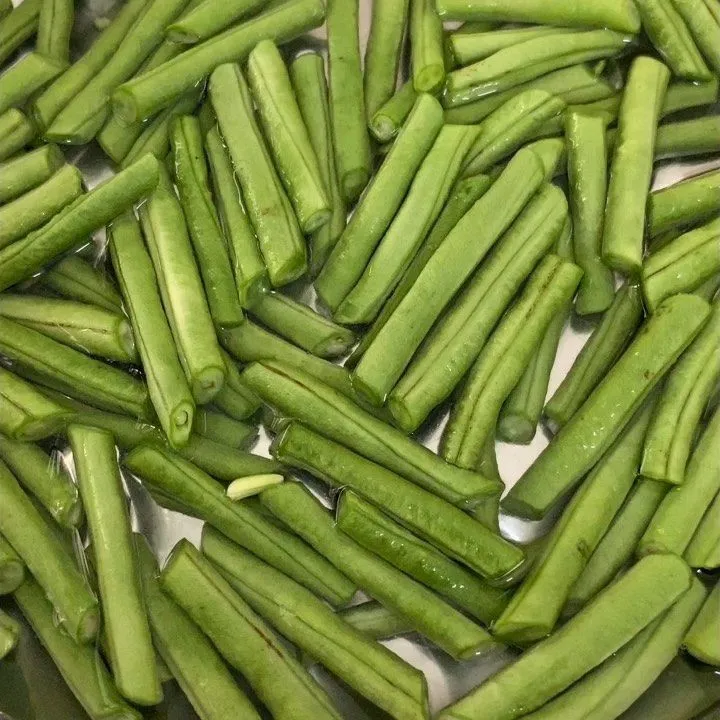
point(18, 26)
point(236, 399)
point(12, 568)
point(704, 27)
point(375, 621)
point(27, 171)
point(209, 18)
point(16, 131)
point(224, 430)
point(703, 638)
point(24, 78)
point(387, 120)
point(687, 138)
point(704, 548)
point(426, 43)
point(609, 408)
point(55, 25)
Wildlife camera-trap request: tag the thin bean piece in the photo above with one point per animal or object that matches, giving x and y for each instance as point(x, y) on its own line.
point(167, 386)
point(375, 621)
point(209, 18)
point(609, 408)
point(389, 118)
point(704, 27)
point(703, 639)
point(632, 164)
point(27, 171)
point(687, 138)
point(25, 77)
point(18, 26)
point(704, 548)
point(12, 568)
point(426, 42)
point(16, 131)
point(607, 342)
point(54, 27)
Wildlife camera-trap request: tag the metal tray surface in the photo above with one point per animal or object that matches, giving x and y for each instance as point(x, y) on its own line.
point(30, 685)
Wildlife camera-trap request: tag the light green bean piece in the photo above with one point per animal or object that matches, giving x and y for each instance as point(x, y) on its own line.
point(24, 78)
point(28, 170)
point(208, 18)
point(703, 638)
point(54, 28)
point(704, 548)
point(17, 27)
point(16, 131)
point(12, 568)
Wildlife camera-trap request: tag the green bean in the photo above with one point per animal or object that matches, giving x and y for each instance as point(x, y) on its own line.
point(9, 634)
point(374, 214)
point(125, 623)
point(631, 168)
point(297, 395)
point(382, 55)
point(26, 413)
point(287, 136)
point(681, 406)
point(608, 409)
point(25, 77)
point(687, 138)
point(452, 263)
point(704, 548)
point(375, 621)
point(235, 398)
point(6, 7)
point(389, 118)
point(277, 229)
point(426, 42)
point(440, 523)
point(528, 60)
point(243, 638)
point(181, 291)
point(619, 614)
point(684, 95)
point(208, 242)
point(703, 639)
point(682, 509)
point(552, 153)
point(703, 27)
point(501, 362)
point(535, 607)
point(430, 615)
point(80, 665)
point(615, 330)
point(416, 216)
point(17, 27)
point(456, 340)
point(16, 131)
point(248, 267)
point(462, 197)
point(347, 101)
point(27, 171)
point(167, 386)
point(366, 666)
point(12, 568)
point(682, 265)
point(208, 18)
point(145, 95)
point(224, 430)
point(54, 27)
point(587, 173)
point(620, 16)
point(43, 476)
point(205, 497)
point(48, 560)
point(614, 686)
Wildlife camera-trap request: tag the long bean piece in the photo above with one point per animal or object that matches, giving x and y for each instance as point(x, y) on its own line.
point(12, 568)
point(426, 43)
point(703, 639)
point(430, 615)
point(27, 171)
point(609, 408)
point(24, 78)
point(704, 548)
point(208, 18)
point(375, 621)
point(16, 131)
point(687, 138)
point(704, 26)
point(17, 27)
point(54, 28)
point(167, 386)
point(125, 622)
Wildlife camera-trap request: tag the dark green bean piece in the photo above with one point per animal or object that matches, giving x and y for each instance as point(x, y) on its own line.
point(389, 118)
point(17, 27)
point(703, 27)
point(379, 205)
point(632, 165)
point(235, 398)
point(54, 27)
point(208, 18)
point(43, 476)
point(9, 634)
point(452, 263)
point(609, 408)
point(16, 131)
point(28, 75)
point(614, 331)
point(375, 621)
point(277, 229)
point(167, 385)
point(703, 638)
point(6, 7)
point(456, 340)
point(27, 171)
point(587, 175)
point(48, 560)
point(602, 13)
point(426, 42)
point(687, 138)
point(703, 550)
point(12, 568)
point(223, 429)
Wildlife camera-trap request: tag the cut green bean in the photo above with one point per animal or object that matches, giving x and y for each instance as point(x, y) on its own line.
point(9, 634)
point(434, 618)
point(687, 138)
point(455, 342)
point(375, 621)
point(444, 274)
point(681, 406)
point(535, 607)
point(208, 18)
point(502, 361)
point(607, 342)
point(619, 614)
point(620, 16)
point(181, 291)
point(26, 77)
point(27, 171)
point(347, 101)
point(72, 226)
point(25, 413)
point(224, 430)
point(440, 523)
point(235, 398)
point(12, 568)
point(366, 666)
point(297, 395)
point(277, 229)
point(243, 638)
point(81, 666)
point(681, 511)
point(248, 266)
point(307, 73)
point(43, 476)
point(632, 165)
point(17, 27)
point(179, 479)
point(6, 7)
point(703, 639)
point(48, 560)
point(389, 118)
point(420, 209)
point(16, 131)
point(682, 265)
point(54, 28)
point(126, 625)
point(167, 386)
point(374, 214)
point(704, 27)
point(704, 548)
point(426, 42)
point(609, 408)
